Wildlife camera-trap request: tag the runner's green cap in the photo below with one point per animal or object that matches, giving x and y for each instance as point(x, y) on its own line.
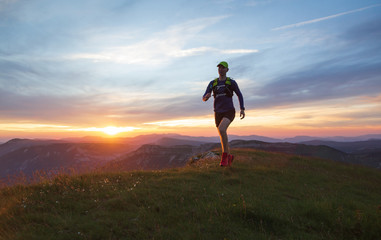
point(225, 64)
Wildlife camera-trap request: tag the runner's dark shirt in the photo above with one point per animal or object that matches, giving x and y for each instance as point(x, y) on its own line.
point(223, 103)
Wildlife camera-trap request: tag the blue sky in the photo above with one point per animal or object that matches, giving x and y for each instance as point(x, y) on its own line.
point(305, 67)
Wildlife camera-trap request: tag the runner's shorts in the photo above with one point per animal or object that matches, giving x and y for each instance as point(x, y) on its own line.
point(219, 116)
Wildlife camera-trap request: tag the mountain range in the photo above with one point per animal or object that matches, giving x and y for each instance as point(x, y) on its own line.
point(150, 138)
point(158, 151)
point(30, 156)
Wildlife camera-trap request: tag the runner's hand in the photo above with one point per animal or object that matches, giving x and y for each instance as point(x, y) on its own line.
point(206, 97)
point(242, 114)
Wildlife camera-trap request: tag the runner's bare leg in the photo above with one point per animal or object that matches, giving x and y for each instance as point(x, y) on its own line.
point(222, 130)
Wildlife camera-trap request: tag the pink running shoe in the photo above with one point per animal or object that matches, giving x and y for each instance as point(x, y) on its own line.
point(224, 160)
point(230, 159)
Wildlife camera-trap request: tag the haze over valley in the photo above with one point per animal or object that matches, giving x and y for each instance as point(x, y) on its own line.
point(160, 151)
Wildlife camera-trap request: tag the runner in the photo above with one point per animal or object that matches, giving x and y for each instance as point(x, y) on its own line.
point(224, 112)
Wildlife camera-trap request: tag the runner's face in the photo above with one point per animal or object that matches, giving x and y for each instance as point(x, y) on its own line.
point(222, 70)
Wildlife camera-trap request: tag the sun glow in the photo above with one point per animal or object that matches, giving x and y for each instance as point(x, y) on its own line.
point(109, 130)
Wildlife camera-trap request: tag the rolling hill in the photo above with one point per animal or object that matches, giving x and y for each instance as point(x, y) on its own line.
point(356, 147)
point(153, 157)
point(85, 154)
point(264, 195)
point(29, 157)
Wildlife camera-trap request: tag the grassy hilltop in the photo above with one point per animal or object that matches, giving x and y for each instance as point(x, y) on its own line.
point(263, 196)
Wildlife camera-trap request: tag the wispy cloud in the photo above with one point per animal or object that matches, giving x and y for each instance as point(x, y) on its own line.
point(323, 18)
point(30, 127)
point(203, 50)
point(183, 122)
point(324, 80)
point(254, 3)
point(161, 47)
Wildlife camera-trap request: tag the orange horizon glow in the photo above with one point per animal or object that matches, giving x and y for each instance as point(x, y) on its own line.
point(109, 130)
point(289, 121)
point(272, 132)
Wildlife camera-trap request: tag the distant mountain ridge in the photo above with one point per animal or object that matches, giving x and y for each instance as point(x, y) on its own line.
point(151, 138)
point(293, 148)
point(370, 158)
point(82, 157)
point(166, 141)
point(216, 139)
point(153, 157)
point(161, 151)
point(17, 143)
point(299, 139)
point(350, 147)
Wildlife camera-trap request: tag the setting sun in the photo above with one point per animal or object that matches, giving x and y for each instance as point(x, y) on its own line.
point(111, 130)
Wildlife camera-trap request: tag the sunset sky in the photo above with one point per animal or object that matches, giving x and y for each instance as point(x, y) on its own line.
point(127, 67)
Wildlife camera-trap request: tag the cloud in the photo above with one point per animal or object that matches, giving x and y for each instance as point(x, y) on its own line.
point(162, 47)
point(369, 31)
point(323, 18)
point(254, 3)
point(31, 77)
point(98, 108)
point(324, 80)
point(44, 108)
point(188, 122)
point(344, 64)
point(203, 50)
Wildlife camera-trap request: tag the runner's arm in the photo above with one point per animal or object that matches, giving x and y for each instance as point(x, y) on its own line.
point(208, 92)
point(239, 95)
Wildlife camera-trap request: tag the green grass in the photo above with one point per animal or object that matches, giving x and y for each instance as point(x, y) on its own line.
point(263, 196)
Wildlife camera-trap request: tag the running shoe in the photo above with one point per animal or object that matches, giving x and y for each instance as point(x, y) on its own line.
point(230, 159)
point(224, 160)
